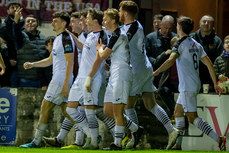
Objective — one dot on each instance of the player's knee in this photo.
(191, 119)
(108, 113)
(149, 105)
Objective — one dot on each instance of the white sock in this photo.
(93, 125)
(162, 117)
(80, 120)
(39, 133)
(206, 128)
(180, 124)
(119, 132)
(65, 128)
(109, 122)
(79, 137)
(130, 124)
(132, 114)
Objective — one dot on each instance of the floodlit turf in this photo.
(58, 150)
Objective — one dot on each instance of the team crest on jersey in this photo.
(68, 48)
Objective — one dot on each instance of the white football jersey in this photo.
(190, 53)
(138, 59)
(82, 37)
(89, 54)
(62, 44)
(120, 58)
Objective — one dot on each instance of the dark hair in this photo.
(186, 24)
(49, 39)
(158, 16)
(96, 14)
(63, 15)
(13, 2)
(76, 14)
(113, 14)
(84, 13)
(130, 6)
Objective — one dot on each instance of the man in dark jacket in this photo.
(7, 34)
(157, 44)
(211, 43)
(31, 46)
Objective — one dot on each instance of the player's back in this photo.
(190, 53)
(138, 59)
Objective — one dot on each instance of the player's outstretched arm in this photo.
(167, 64)
(2, 65)
(42, 63)
(100, 56)
(211, 70)
(78, 42)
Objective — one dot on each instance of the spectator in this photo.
(46, 73)
(10, 59)
(157, 21)
(2, 64)
(159, 41)
(62, 60)
(167, 85)
(221, 64)
(211, 43)
(157, 44)
(31, 46)
(5, 74)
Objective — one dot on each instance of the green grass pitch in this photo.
(58, 150)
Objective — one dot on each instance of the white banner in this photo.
(215, 110)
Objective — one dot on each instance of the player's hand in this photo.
(65, 91)
(13, 62)
(44, 88)
(167, 52)
(3, 69)
(28, 65)
(222, 77)
(87, 84)
(18, 14)
(99, 45)
(218, 89)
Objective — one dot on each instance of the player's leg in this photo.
(180, 125)
(46, 108)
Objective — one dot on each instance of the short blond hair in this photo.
(227, 37)
(113, 14)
